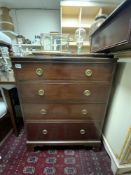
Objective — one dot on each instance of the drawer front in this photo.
(90, 71)
(64, 111)
(62, 131)
(40, 92)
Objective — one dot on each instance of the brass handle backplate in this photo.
(88, 72)
(84, 111)
(44, 131)
(87, 92)
(43, 111)
(82, 131)
(41, 92)
(39, 71)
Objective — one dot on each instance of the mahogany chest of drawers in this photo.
(64, 98)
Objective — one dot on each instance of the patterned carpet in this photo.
(17, 161)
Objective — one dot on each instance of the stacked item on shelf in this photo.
(6, 20)
(6, 72)
(5, 64)
(6, 23)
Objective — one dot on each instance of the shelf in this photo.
(28, 45)
(68, 25)
(86, 43)
(71, 31)
(75, 14)
(8, 58)
(6, 22)
(72, 8)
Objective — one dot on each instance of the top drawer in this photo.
(64, 71)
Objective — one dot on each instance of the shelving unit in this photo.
(76, 14)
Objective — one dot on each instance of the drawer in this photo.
(62, 131)
(64, 111)
(39, 92)
(77, 71)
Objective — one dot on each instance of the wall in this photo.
(31, 22)
(119, 118)
(118, 125)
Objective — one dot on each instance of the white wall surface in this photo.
(119, 116)
(31, 22)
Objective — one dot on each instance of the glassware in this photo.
(98, 22)
(55, 42)
(80, 35)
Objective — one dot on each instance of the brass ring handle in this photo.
(82, 131)
(88, 72)
(44, 131)
(87, 92)
(39, 72)
(41, 92)
(84, 111)
(43, 111)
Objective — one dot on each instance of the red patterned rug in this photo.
(16, 160)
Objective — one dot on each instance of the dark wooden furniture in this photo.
(5, 122)
(115, 33)
(5, 126)
(64, 98)
(15, 120)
